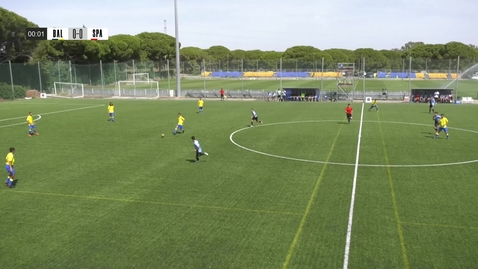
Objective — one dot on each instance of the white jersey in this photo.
(254, 114)
(197, 146)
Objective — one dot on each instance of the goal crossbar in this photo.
(146, 75)
(125, 88)
(68, 89)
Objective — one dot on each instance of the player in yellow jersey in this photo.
(111, 112)
(10, 161)
(374, 105)
(443, 126)
(201, 105)
(180, 124)
(31, 125)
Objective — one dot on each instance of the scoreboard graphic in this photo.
(79, 33)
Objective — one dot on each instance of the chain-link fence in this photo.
(135, 76)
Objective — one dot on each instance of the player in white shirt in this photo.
(254, 117)
(197, 148)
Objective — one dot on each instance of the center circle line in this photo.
(347, 164)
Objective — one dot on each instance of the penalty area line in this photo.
(352, 200)
(46, 113)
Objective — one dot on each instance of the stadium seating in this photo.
(437, 76)
(219, 74)
(292, 74)
(420, 75)
(206, 74)
(258, 74)
(454, 75)
(326, 74)
(381, 74)
(402, 75)
(235, 74)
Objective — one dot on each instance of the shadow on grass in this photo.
(342, 122)
(15, 182)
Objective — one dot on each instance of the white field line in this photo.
(30, 103)
(352, 200)
(47, 113)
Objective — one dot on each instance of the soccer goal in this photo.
(140, 77)
(72, 90)
(139, 88)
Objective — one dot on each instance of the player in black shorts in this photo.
(254, 117)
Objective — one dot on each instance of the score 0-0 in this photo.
(78, 33)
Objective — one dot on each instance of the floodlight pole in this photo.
(456, 80)
(178, 63)
(409, 74)
(363, 79)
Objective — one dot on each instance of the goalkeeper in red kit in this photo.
(348, 111)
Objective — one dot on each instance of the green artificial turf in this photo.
(97, 194)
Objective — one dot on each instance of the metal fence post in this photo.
(39, 76)
(11, 80)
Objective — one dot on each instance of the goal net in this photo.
(140, 77)
(72, 90)
(139, 88)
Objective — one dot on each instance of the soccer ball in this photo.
(162, 135)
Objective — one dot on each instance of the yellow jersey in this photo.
(30, 120)
(111, 109)
(374, 102)
(201, 103)
(180, 120)
(10, 159)
(443, 122)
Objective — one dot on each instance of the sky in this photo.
(269, 25)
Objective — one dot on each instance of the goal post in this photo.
(140, 77)
(138, 88)
(72, 90)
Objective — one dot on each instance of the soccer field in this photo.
(466, 88)
(97, 194)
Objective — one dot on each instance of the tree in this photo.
(219, 53)
(375, 60)
(13, 44)
(238, 54)
(410, 45)
(339, 56)
(395, 60)
(455, 49)
(157, 46)
(124, 48)
(307, 57)
(193, 54)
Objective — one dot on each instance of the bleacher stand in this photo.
(258, 74)
(326, 74)
(437, 76)
(292, 74)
